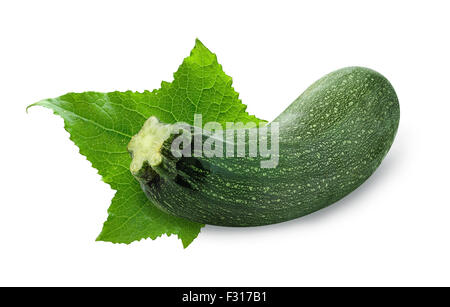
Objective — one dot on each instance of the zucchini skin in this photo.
(331, 139)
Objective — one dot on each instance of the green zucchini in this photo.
(331, 139)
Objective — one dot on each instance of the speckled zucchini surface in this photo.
(331, 139)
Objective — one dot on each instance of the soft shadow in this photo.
(389, 165)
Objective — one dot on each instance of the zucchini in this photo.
(331, 139)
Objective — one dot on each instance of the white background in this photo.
(394, 230)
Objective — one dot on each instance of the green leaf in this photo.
(102, 124)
